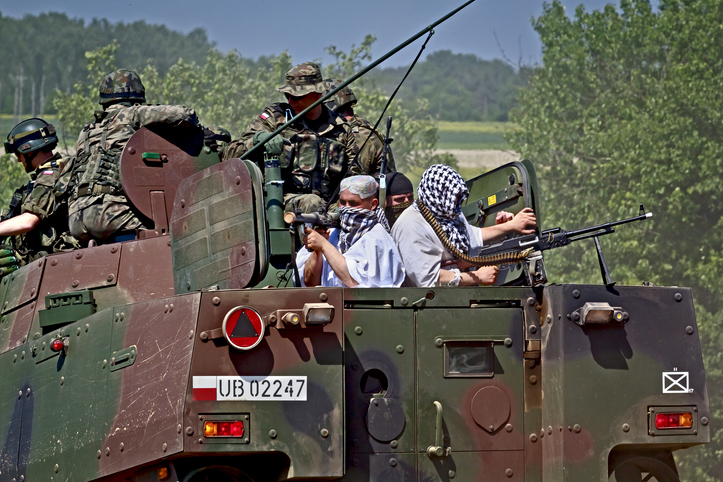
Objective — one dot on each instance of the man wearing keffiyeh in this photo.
(360, 252)
(427, 263)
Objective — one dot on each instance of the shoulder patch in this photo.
(265, 115)
(47, 172)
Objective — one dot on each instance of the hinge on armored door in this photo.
(123, 358)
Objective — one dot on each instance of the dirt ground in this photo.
(485, 158)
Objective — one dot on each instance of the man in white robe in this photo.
(360, 253)
(427, 263)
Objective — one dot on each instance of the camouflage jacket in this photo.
(43, 197)
(101, 142)
(369, 160)
(314, 161)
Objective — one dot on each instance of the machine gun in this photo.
(530, 247)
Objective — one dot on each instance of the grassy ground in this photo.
(474, 135)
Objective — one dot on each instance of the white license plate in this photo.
(251, 388)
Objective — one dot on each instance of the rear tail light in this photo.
(665, 421)
(224, 429)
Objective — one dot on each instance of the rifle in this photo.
(530, 247)
(383, 169)
(312, 221)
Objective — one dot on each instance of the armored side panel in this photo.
(604, 382)
(152, 166)
(510, 188)
(213, 232)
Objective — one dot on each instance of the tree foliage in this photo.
(459, 87)
(627, 108)
(414, 131)
(48, 53)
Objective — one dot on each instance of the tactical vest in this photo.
(316, 163)
(97, 170)
(48, 236)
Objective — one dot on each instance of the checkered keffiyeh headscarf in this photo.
(354, 222)
(443, 190)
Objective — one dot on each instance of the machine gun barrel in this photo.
(356, 76)
(605, 228)
(557, 237)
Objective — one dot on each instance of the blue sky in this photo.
(306, 28)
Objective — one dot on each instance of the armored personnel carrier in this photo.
(186, 354)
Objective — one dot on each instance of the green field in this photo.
(474, 135)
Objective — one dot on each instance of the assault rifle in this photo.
(531, 246)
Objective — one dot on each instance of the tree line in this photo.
(48, 56)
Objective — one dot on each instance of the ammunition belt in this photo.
(507, 257)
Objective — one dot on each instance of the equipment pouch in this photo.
(307, 151)
(334, 154)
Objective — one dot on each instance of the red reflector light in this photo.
(673, 420)
(224, 429)
(57, 344)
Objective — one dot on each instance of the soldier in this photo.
(99, 208)
(37, 222)
(426, 261)
(360, 252)
(369, 160)
(317, 149)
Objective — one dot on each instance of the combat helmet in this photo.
(122, 85)
(31, 135)
(342, 99)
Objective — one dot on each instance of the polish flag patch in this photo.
(264, 115)
(204, 388)
(47, 172)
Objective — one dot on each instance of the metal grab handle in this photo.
(437, 450)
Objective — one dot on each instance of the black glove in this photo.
(8, 261)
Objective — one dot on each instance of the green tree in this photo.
(626, 108)
(12, 176)
(76, 109)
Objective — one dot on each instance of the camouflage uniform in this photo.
(318, 153)
(369, 160)
(42, 196)
(99, 208)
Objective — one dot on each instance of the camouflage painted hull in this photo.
(524, 392)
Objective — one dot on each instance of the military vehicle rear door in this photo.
(511, 187)
(470, 386)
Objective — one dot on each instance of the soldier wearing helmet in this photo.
(99, 208)
(37, 222)
(369, 141)
(316, 151)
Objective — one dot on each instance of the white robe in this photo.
(373, 261)
(422, 252)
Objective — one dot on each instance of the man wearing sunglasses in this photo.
(316, 150)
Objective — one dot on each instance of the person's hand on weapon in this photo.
(8, 261)
(274, 146)
(316, 239)
(523, 222)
